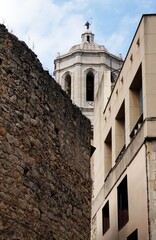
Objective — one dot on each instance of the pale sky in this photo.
(52, 26)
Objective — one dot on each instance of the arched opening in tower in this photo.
(68, 85)
(90, 87)
(88, 39)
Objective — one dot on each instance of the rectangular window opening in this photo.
(136, 102)
(120, 133)
(122, 193)
(105, 218)
(108, 153)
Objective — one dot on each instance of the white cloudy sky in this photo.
(52, 26)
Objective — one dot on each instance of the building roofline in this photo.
(90, 52)
(143, 16)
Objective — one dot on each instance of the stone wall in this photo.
(45, 180)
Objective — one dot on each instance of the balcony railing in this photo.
(137, 126)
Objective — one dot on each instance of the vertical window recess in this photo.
(136, 102)
(120, 132)
(90, 87)
(122, 192)
(105, 218)
(108, 153)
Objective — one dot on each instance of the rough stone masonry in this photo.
(45, 184)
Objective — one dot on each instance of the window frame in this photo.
(105, 218)
(122, 199)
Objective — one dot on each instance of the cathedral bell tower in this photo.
(81, 70)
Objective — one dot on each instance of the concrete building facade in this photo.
(124, 192)
(81, 70)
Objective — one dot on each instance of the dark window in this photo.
(68, 85)
(133, 235)
(88, 39)
(90, 87)
(122, 203)
(105, 218)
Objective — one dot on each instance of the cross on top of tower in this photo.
(87, 24)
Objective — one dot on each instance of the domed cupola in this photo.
(88, 44)
(87, 37)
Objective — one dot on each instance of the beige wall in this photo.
(122, 93)
(101, 98)
(139, 66)
(138, 216)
